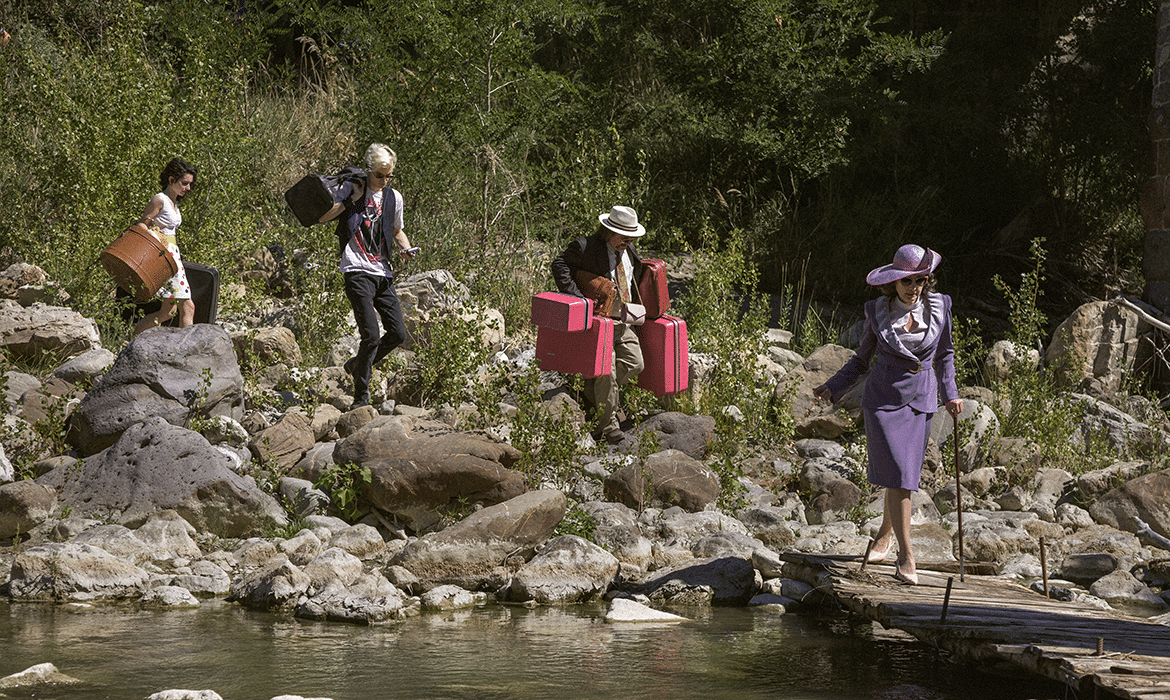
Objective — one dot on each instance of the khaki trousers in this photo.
(627, 364)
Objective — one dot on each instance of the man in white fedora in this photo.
(609, 254)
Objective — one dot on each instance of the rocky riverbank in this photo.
(183, 479)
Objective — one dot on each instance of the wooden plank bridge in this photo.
(993, 622)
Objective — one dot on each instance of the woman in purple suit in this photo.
(908, 352)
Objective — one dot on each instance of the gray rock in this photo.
(1143, 498)
(770, 525)
(809, 448)
(1122, 587)
(362, 541)
(276, 585)
(567, 569)
(33, 676)
(687, 529)
(726, 543)
(413, 477)
(1006, 355)
(24, 505)
(626, 610)
(315, 462)
(118, 541)
(7, 471)
(333, 564)
(177, 374)
(679, 431)
(168, 536)
(1084, 568)
(1092, 484)
(1101, 340)
(205, 580)
(280, 446)
(75, 572)
(722, 580)
(225, 430)
(302, 547)
(86, 366)
(816, 418)
(268, 346)
(1123, 434)
(179, 694)
(449, 597)
(369, 599)
(170, 597)
(470, 553)
(32, 332)
(977, 424)
(670, 478)
(997, 540)
(155, 466)
(301, 497)
(618, 533)
(16, 384)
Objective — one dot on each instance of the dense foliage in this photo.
(815, 135)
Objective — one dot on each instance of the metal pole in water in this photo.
(1044, 566)
(942, 620)
(959, 502)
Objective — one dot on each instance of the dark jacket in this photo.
(898, 377)
(590, 253)
(350, 220)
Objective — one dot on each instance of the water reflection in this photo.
(486, 653)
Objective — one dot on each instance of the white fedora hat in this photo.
(623, 220)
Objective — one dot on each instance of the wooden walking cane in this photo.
(959, 499)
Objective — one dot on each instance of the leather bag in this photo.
(601, 290)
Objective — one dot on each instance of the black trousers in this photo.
(373, 297)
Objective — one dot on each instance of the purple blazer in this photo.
(897, 376)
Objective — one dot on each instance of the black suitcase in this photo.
(313, 195)
(204, 281)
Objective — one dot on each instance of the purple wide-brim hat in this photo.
(910, 260)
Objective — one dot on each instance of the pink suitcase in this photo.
(588, 353)
(562, 312)
(652, 288)
(664, 351)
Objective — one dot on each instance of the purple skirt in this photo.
(896, 442)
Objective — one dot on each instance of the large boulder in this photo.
(31, 332)
(1145, 498)
(415, 474)
(1100, 341)
(727, 580)
(816, 418)
(76, 572)
(472, 553)
(977, 425)
(155, 466)
(568, 569)
(669, 478)
(177, 374)
(24, 505)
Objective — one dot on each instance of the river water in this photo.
(487, 653)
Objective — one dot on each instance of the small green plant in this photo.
(548, 440)
(448, 355)
(727, 319)
(576, 522)
(345, 484)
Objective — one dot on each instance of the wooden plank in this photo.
(990, 617)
